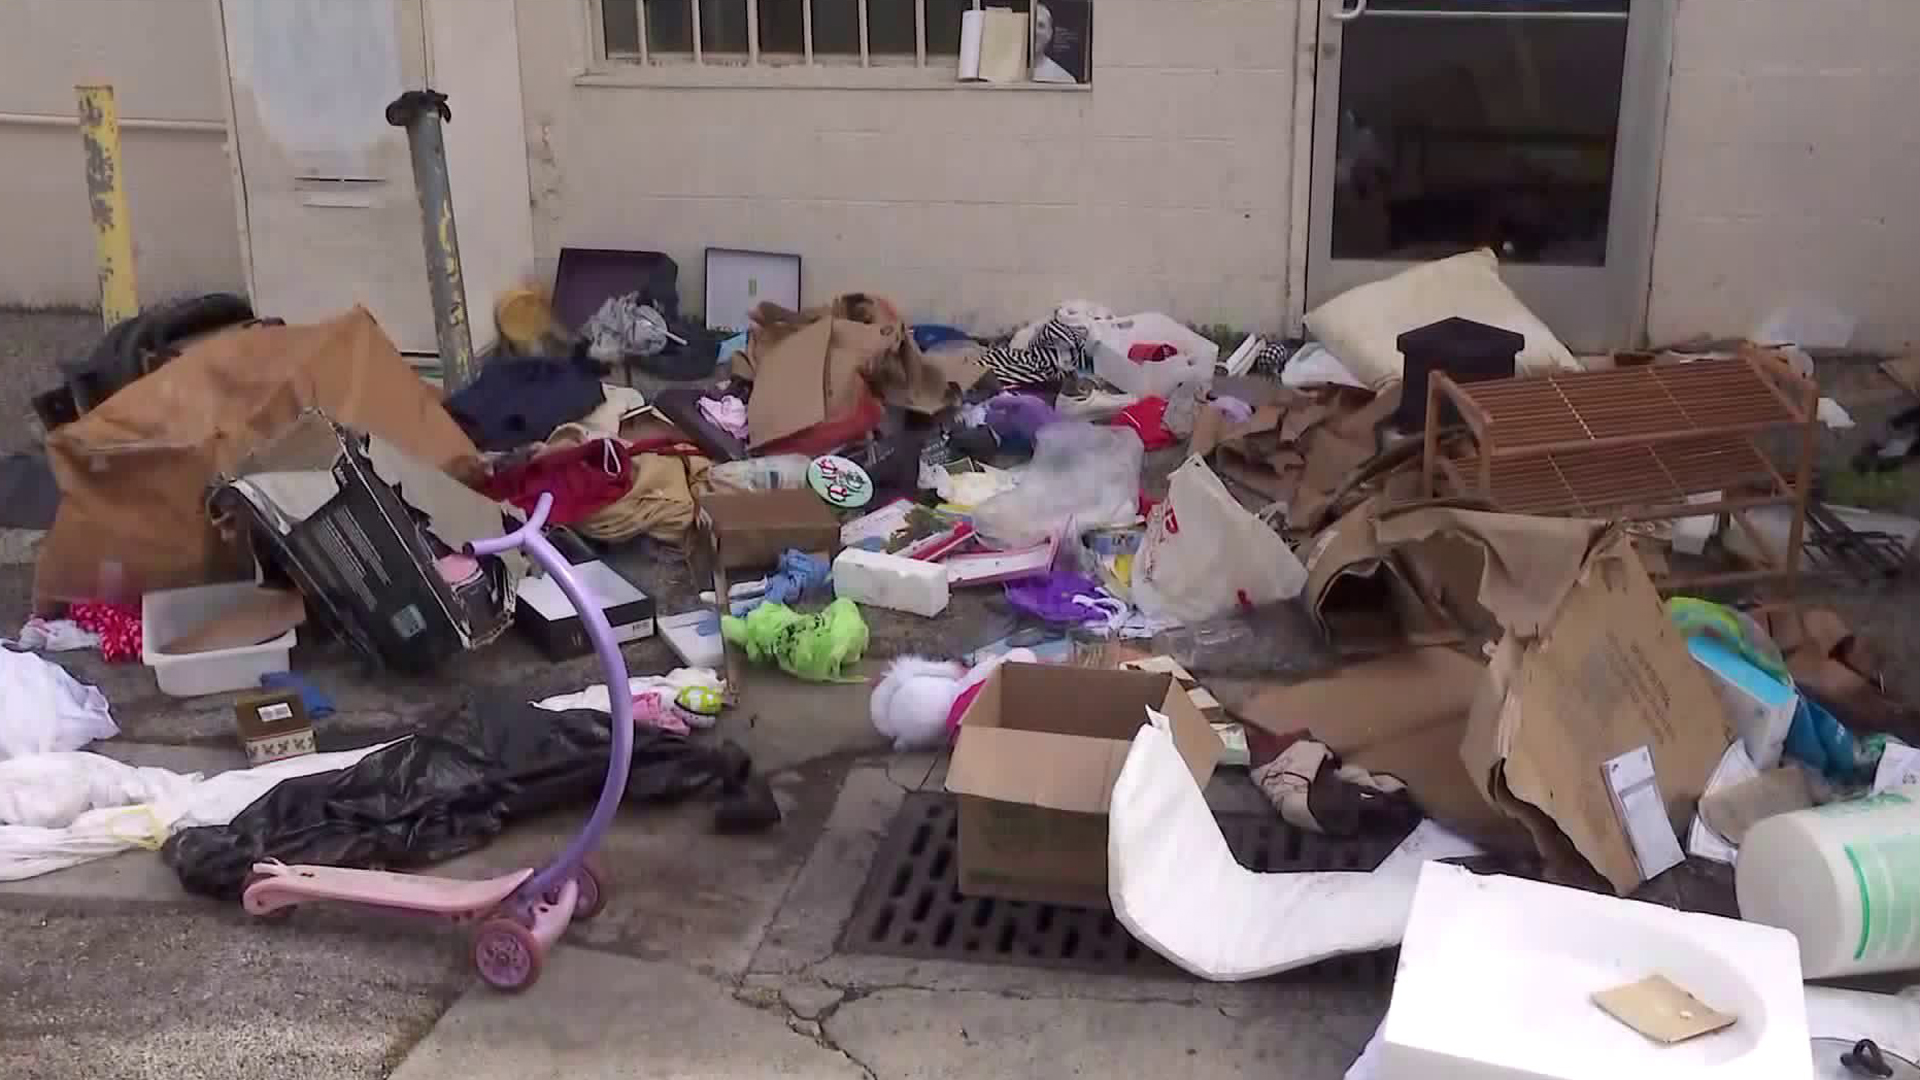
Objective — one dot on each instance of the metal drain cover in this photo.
(911, 905)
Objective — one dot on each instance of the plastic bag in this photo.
(776, 472)
(51, 790)
(1081, 475)
(43, 709)
(437, 795)
(1205, 556)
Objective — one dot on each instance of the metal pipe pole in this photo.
(421, 113)
(107, 204)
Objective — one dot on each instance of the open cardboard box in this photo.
(1038, 753)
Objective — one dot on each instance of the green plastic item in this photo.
(1734, 629)
(819, 647)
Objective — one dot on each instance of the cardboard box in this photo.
(1039, 750)
(328, 507)
(546, 615)
(273, 726)
(1590, 668)
(1364, 594)
(751, 529)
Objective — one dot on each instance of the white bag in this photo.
(44, 709)
(1204, 555)
(51, 790)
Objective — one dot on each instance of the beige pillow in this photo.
(1363, 325)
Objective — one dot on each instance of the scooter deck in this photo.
(283, 885)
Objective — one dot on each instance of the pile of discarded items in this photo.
(1428, 576)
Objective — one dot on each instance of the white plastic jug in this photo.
(1844, 879)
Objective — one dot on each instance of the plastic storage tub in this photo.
(166, 615)
(1110, 339)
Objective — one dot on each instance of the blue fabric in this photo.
(317, 704)
(1821, 742)
(797, 575)
(930, 335)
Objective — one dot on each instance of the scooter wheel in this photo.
(593, 896)
(279, 914)
(507, 955)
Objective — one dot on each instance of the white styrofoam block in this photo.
(1497, 977)
(890, 581)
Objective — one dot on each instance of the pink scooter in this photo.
(520, 914)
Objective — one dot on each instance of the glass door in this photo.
(1527, 126)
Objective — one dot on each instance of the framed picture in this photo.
(1063, 41)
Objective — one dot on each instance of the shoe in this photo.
(1086, 401)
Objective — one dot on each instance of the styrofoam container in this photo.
(1497, 977)
(166, 615)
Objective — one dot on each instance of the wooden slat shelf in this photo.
(1629, 443)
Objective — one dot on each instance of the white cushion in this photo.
(1362, 326)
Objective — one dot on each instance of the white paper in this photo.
(1315, 365)
(1736, 767)
(1178, 889)
(1643, 813)
(1834, 415)
(972, 24)
(1899, 766)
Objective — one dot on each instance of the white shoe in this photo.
(1093, 404)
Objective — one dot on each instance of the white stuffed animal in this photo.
(911, 703)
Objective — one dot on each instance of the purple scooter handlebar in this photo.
(529, 539)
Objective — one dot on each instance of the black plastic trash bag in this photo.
(448, 791)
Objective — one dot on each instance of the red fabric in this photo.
(1148, 417)
(583, 480)
(1148, 352)
(117, 624)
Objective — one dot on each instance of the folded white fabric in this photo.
(1177, 888)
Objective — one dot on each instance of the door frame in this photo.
(1621, 320)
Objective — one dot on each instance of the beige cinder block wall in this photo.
(1167, 186)
(1792, 167)
(162, 58)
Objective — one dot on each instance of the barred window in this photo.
(786, 31)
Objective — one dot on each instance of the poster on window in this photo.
(1063, 41)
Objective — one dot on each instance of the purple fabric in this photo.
(1018, 417)
(1050, 597)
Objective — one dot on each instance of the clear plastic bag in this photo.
(772, 473)
(1081, 475)
(1276, 640)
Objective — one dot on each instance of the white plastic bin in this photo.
(166, 615)
(1192, 362)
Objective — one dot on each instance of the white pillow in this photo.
(1362, 326)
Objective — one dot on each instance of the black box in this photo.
(545, 615)
(327, 505)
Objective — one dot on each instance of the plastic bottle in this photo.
(1843, 878)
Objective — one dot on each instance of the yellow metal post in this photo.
(107, 203)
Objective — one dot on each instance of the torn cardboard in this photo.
(1403, 715)
(134, 473)
(260, 616)
(829, 363)
(1039, 750)
(1590, 668)
(1361, 593)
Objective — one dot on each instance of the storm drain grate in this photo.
(911, 905)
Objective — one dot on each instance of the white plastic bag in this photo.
(51, 790)
(44, 709)
(1082, 475)
(1205, 556)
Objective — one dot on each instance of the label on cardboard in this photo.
(277, 711)
(1643, 814)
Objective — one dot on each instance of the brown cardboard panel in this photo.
(261, 616)
(1661, 1011)
(1609, 673)
(1404, 715)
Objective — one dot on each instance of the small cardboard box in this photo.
(273, 726)
(546, 615)
(751, 529)
(1039, 750)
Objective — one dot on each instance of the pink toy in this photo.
(521, 914)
